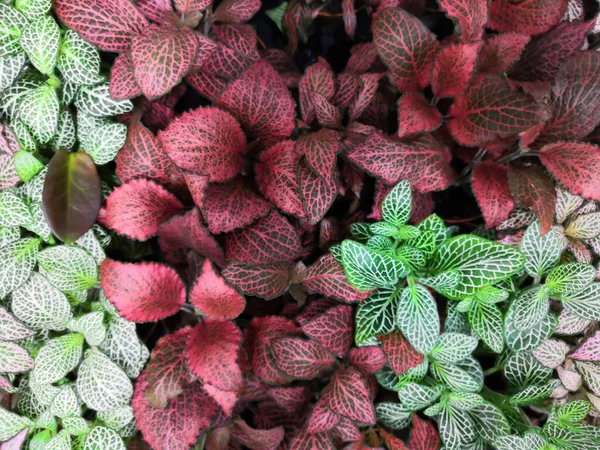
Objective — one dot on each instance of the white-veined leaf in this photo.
(566, 204)
(454, 347)
(9, 235)
(68, 267)
(464, 401)
(11, 329)
(33, 189)
(62, 441)
(530, 307)
(38, 224)
(412, 257)
(11, 28)
(66, 403)
(381, 243)
(591, 375)
(570, 324)
(585, 226)
(68, 92)
(14, 358)
(415, 396)
(96, 101)
(384, 229)
(573, 412)
(457, 429)
(522, 369)
(13, 96)
(117, 418)
(551, 353)
(10, 68)
(486, 321)
(11, 424)
(489, 421)
(79, 61)
(41, 41)
(26, 165)
(76, 426)
(456, 321)
(124, 348)
(417, 317)
(32, 9)
(393, 415)
(376, 315)
(18, 260)
(436, 225)
(57, 358)
(39, 110)
(65, 131)
(585, 303)
(26, 140)
(542, 252)
(102, 438)
(455, 377)
(13, 210)
(518, 443)
(46, 420)
(533, 394)
(570, 277)
(529, 339)
(442, 282)
(91, 326)
(103, 143)
(397, 205)
(90, 242)
(361, 230)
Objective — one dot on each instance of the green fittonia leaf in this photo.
(542, 251)
(486, 321)
(57, 358)
(489, 421)
(456, 427)
(11, 424)
(418, 318)
(453, 347)
(27, 165)
(13, 209)
(415, 396)
(91, 326)
(397, 205)
(570, 278)
(530, 307)
(393, 415)
(18, 260)
(39, 110)
(32, 9)
(585, 303)
(10, 68)
(41, 41)
(522, 370)
(79, 61)
(12, 24)
(531, 338)
(68, 268)
(103, 142)
(66, 403)
(376, 315)
(101, 438)
(96, 101)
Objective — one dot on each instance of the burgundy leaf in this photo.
(122, 79)
(326, 277)
(315, 308)
(261, 281)
(367, 360)
(500, 52)
(317, 194)
(534, 16)
(301, 359)
(346, 431)
(321, 418)
(424, 436)
(490, 186)
(256, 439)
(472, 16)
(347, 395)
(333, 329)
(236, 11)
(349, 14)
(362, 57)
(320, 151)
(400, 355)
(391, 441)
(416, 115)
(422, 206)
(239, 38)
(453, 69)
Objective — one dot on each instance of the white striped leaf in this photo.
(455, 377)
(453, 347)
(376, 315)
(96, 101)
(23, 135)
(522, 369)
(570, 278)
(418, 318)
(65, 132)
(13, 210)
(570, 324)
(530, 307)
(90, 242)
(79, 61)
(68, 267)
(442, 282)
(62, 441)
(415, 396)
(41, 41)
(9, 235)
(33, 189)
(393, 415)
(456, 427)
(10, 68)
(533, 394)
(383, 229)
(66, 403)
(39, 110)
(397, 205)
(542, 252)
(585, 303)
(486, 321)
(14, 358)
(591, 375)
(67, 94)
(437, 226)
(103, 143)
(124, 348)
(529, 339)
(117, 418)
(566, 204)
(38, 224)
(489, 421)
(91, 326)
(12, 23)
(101, 438)
(585, 226)
(464, 401)
(76, 426)
(18, 260)
(57, 358)
(381, 243)
(11, 424)
(33, 8)
(551, 353)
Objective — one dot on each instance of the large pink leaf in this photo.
(589, 350)
(137, 208)
(453, 69)
(109, 24)
(301, 359)
(416, 115)
(196, 184)
(320, 151)
(257, 439)
(261, 281)
(159, 11)
(490, 186)
(367, 360)
(472, 16)
(142, 292)
(406, 47)
(400, 354)
(206, 141)
(227, 400)
(239, 38)
(347, 395)
(122, 79)
(236, 11)
(333, 329)
(527, 16)
(500, 52)
(317, 193)
(326, 277)
(208, 86)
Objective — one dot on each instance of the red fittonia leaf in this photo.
(269, 240)
(347, 395)
(406, 47)
(142, 156)
(261, 281)
(166, 372)
(425, 161)
(256, 439)
(262, 103)
(206, 141)
(212, 354)
(532, 16)
(532, 188)
(137, 208)
(142, 292)
(108, 24)
(416, 115)
(391, 441)
(225, 63)
(214, 298)
(315, 308)
(333, 329)
(236, 11)
(320, 151)
(316, 87)
(367, 360)
(422, 206)
(424, 436)
(362, 58)
(346, 88)
(346, 431)
(589, 350)
(576, 165)
(197, 186)
(489, 110)
(225, 399)
(303, 440)
(321, 418)
(159, 11)
(326, 277)
(292, 399)
(367, 89)
(401, 356)
(208, 86)
(500, 52)
(349, 14)
(317, 194)
(239, 38)
(122, 78)
(191, 6)
(301, 359)
(232, 205)
(490, 186)
(453, 69)
(177, 426)
(472, 16)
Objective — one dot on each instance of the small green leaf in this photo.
(415, 396)
(491, 295)
(585, 303)
(530, 307)
(361, 230)
(103, 143)
(57, 358)
(418, 318)
(533, 394)
(573, 412)
(443, 282)
(39, 110)
(542, 252)
(380, 243)
(584, 226)
(383, 229)
(522, 370)
(531, 338)
(10, 68)
(570, 278)
(456, 427)
(490, 422)
(27, 165)
(455, 377)
(91, 325)
(79, 61)
(76, 426)
(96, 101)
(425, 242)
(13, 23)
(41, 40)
(68, 268)
(393, 415)
(397, 205)
(435, 225)
(486, 321)
(277, 14)
(464, 401)
(26, 140)
(18, 260)
(62, 441)
(412, 257)
(376, 315)
(32, 9)
(454, 347)
(11, 424)
(102, 438)
(13, 210)
(65, 132)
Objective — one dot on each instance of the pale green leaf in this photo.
(90, 242)
(455, 377)
(68, 267)
(28, 404)
(10, 68)
(397, 205)
(530, 307)
(39, 440)
(67, 94)
(11, 424)
(41, 41)
(12, 23)
(585, 226)
(102, 438)
(13, 210)
(27, 165)
(569, 439)
(11, 329)
(574, 411)
(18, 260)
(542, 252)
(46, 420)
(454, 347)
(529, 339)
(62, 441)
(522, 370)
(585, 303)
(425, 242)
(383, 229)
(489, 421)
(96, 101)
(486, 321)
(408, 232)
(442, 282)
(519, 443)
(434, 410)
(464, 400)
(533, 394)
(38, 224)
(91, 325)
(456, 428)
(14, 358)
(12, 97)
(415, 396)
(39, 110)
(437, 226)
(417, 317)
(79, 61)
(381, 243)
(569, 278)
(33, 189)
(551, 353)
(117, 418)
(412, 257)
(66, 403)
(104, 142)
(44, 394)
(393, 415)
(57, 358)
(26, 140)
(9, 235)
(276, 15)
(124, 348)
(65, 131)
(376, 315)
(76, 426)
(413, 375)
(33, 8)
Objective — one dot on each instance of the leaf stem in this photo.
(492, 370)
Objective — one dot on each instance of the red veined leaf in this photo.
(346, 431)
(213, 297)
(422, 206)
(142, 292)
(346, 85)
(534, 16)
(500, 52)
(589, 350)
(191, 6)
(391, 441)
(122, 79)
(321, 418)
(400, 355)
(406, 47)
(333, 329)
(574, 99)
(236, 11)
(108, 24)
(159, 11)
(232, 205)
(292, 399)
(576, 165)
(256, 439)
(381, 192)
(453, 69)
(526, 138)
(269, 240)
(260, 281)
(239, 38)
(177, 426)
(532, 188)
(303, 440)
(208, 86)
(424, 436)
(329, 232)
(142, 156)
(327, 114)
(362, 57)
(320, 151)
(472, 16)
(206, 141)
(347, 395)
(423, 161)
(326, 277)
(212, 354)
(225, 63)
(317, 194)
(262, 103)
(318, 78)
(157, 115)
(166, 373)
(368, 85)
(138, 208)
(580, 252)
(225, 399)
(315, 308)
(349, 15)
(489, 109)
(416, 115)
(71, 196)
(301, 359)
(490, 186)
(197, 186)
(367, 360)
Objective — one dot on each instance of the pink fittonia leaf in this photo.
(367, 360)
(137, 208)
(362, 58)
(544, 55)
(327, 114)
(532, 16)
(292, 399)
(490, 186)
(142, 156)
(196, 184)
(401, 356)
(589, 350)
(166, 372)
(269, 240)
(262, 103)
(500, 52)
(349, 14)
(206, 141)
(208, 86)
(347, 395)
(425, 161)
(320, 151)
(301, 359)
(472, 16)
(576, 165)
(416, 115)
(317, 193)
(318, 78)
(346, 88)
(236, 11)
(122, 78)
(346, 431)
(532, 188)
(256, 439)
(191, 6)
(261, 281)
(142, 292)
(489, 109)
(315, 308)
(159, 11)
(424, 436)
(225, 63)
(225, 399)
(326, 277)
(453, 69)
(108, 24)
(304, 440)
(321, 418)
(333, 329)
(406, 47)
(239, 38)
(214, 298)
(391, 441)
(177, 426)
(367, 90)
(212, 354)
